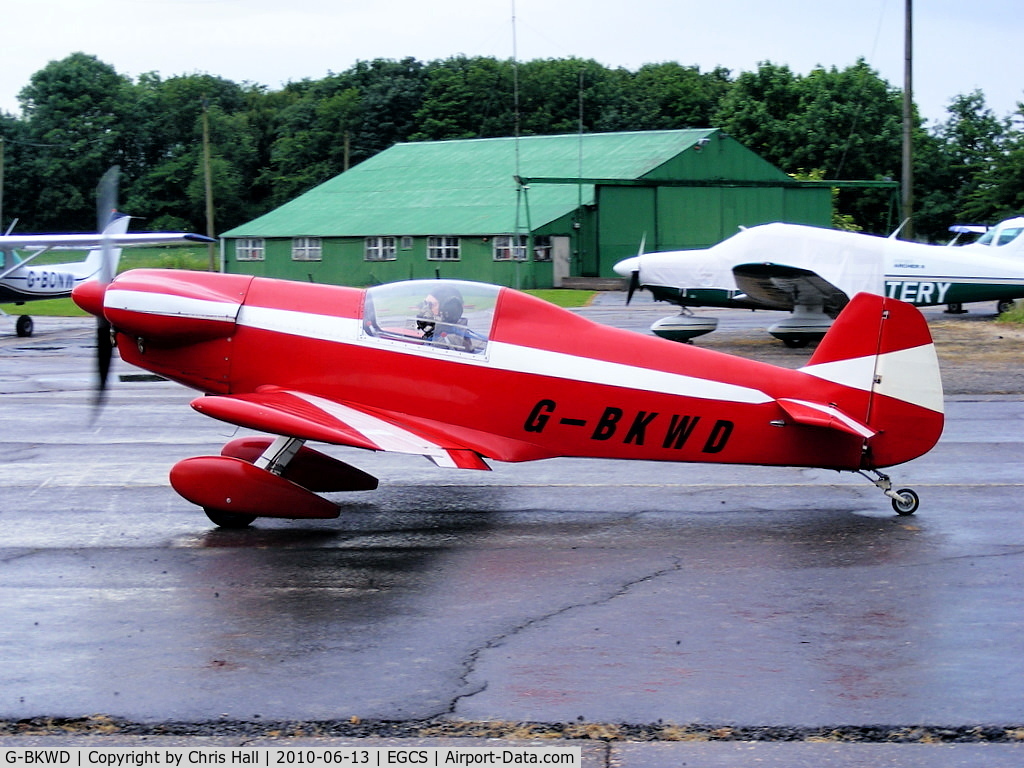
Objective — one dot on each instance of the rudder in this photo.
(883, 349)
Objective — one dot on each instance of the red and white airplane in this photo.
(463, 373)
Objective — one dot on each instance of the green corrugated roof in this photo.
(467, 187)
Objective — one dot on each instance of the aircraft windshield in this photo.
(445, 314)
(1001, 235)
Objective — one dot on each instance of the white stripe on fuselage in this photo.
(148, 303)
(510, 357)
(856, 373)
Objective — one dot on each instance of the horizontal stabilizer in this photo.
(827, 416)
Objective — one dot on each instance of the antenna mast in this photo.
(908, 111)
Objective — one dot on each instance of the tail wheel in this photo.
(233, 520)
(23, 326)
(907, 503)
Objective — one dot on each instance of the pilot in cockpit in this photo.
(440, 319)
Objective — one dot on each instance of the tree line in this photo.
(79, 116)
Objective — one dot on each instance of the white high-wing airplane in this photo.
(21, 280)
(813, 272)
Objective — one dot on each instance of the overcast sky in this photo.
(958, 46)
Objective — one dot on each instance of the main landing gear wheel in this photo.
(232, 520)
(23, 326)
(907, 503)
(796, 342)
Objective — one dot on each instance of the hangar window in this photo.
(307, 249)
(380, 249)
(443, 248)
(250, 249)
(510, 247)
(542, 248)
(450, 315)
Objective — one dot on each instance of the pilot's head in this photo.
(444, 303)
(451, 309)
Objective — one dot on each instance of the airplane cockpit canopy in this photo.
(1003, 233)
(454, 315)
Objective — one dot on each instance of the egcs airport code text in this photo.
(283, 757)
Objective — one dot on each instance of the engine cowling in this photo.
(170, 308)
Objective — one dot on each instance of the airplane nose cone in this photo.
(89, 296)
(627, 267)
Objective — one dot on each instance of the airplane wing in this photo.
(77, 242)
(309, 417)
(778, 286)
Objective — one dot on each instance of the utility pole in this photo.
(908, 113)
(209, 184)
(1, 183)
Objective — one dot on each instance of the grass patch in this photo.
(1014, 317)
(564, 297)
(47, 308)
(164, 258)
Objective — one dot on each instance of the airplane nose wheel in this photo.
(905, 501)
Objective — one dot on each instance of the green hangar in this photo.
(527, 212)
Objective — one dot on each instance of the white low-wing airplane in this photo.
(813, 272)
(22, 280)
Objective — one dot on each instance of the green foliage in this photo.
(847, 123)
(266, 147)
(76, 112)
(958, 165)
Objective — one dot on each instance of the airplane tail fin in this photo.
(880, 352)
(118, 225)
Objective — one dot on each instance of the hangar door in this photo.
(626, 216)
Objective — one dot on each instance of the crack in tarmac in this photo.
(471, 663)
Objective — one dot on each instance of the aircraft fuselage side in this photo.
(917, 273)
(548, 383)
(32, 283)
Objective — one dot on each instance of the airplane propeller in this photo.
(634, 283)
(106, 209)
(634, 277)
